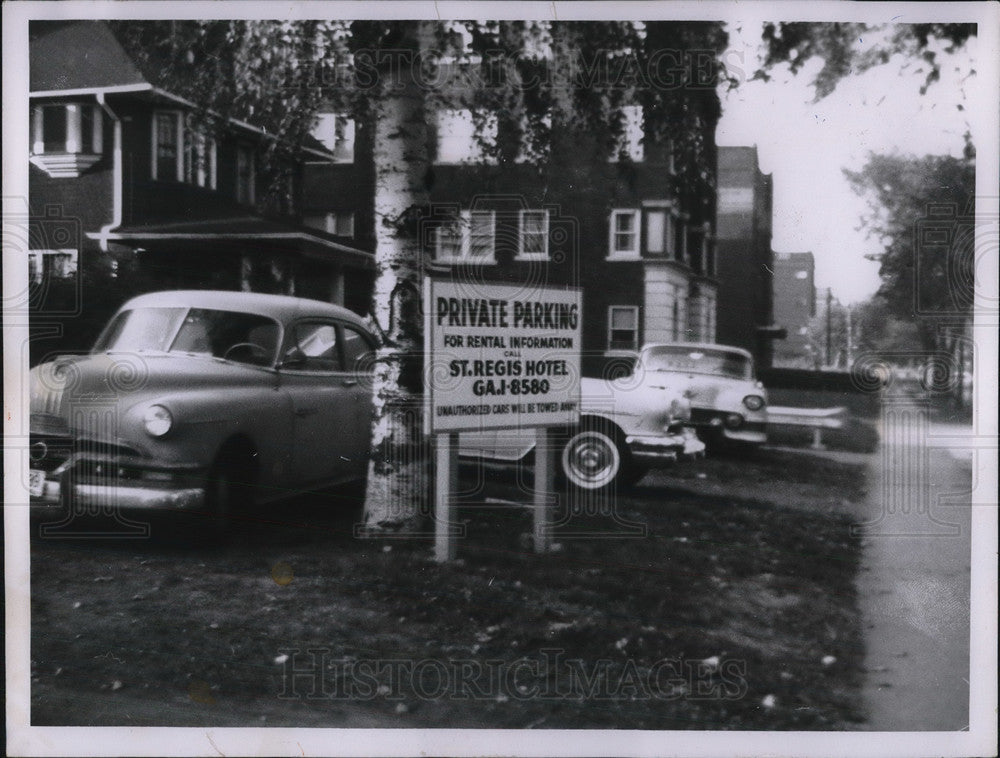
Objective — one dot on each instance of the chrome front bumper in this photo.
(712, 423)
(149, 487)
(665, 449)
(97, 497)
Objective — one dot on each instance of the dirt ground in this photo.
(718, 595)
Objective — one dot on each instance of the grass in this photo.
(735, 609)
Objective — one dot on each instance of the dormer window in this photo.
(66, 138)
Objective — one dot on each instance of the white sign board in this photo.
(500, 356)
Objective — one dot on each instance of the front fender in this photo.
(205, 419)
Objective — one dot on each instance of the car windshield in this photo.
(234, 336)
(698, 361)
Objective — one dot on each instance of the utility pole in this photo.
(850, 341)
(829, 327)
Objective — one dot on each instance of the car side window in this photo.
(358, 350)
(317, 344)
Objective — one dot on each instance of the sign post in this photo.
(545, 470)
(445, 483)
(499, 356)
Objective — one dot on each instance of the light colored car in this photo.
(198, 400)
(626, 428)
(727, 401)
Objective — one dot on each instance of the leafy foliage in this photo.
(920, 212)
(842, 48)
(534, 87)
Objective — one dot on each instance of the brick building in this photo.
(630, 229)
(794, 307)
(743, 251)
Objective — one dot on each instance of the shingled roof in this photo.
(72, 55)
(67, 56)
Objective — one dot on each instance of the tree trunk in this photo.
(396, 496)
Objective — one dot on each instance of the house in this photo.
(628, 229)
(744, 255)
(794, 308)
(126, 182)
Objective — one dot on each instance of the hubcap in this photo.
(591, 460)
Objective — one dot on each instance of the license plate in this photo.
(36, 483)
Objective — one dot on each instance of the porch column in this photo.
(37, 130)
(74, 128)
(97, 137)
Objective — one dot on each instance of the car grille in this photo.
(48, 452)
(704, 415)
(94, 459)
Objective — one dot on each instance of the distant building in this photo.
(794, 307)
(744, 260)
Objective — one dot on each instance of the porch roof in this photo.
(245, 229)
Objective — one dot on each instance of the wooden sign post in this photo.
(545, 470)
(445, 484)
(498, 356)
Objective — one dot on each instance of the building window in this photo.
(533, 239)
(623, 327)
(168, 146)
(199, 159)
(678, 311)
(51, 264)
(467, 238)
(182, 152)
(340, 223)
(661, 233)
(336, 132)
(457, 137)
(624, 231)
(246, 173)
(682, 242)
(66, 139)
(707, 250)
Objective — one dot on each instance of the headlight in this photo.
(157, 420)
(753, 402)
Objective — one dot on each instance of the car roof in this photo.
(282, 307)
(700, 346)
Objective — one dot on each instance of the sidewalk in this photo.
(914, 585)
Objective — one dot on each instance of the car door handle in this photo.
(303, 412)
(349, 382)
